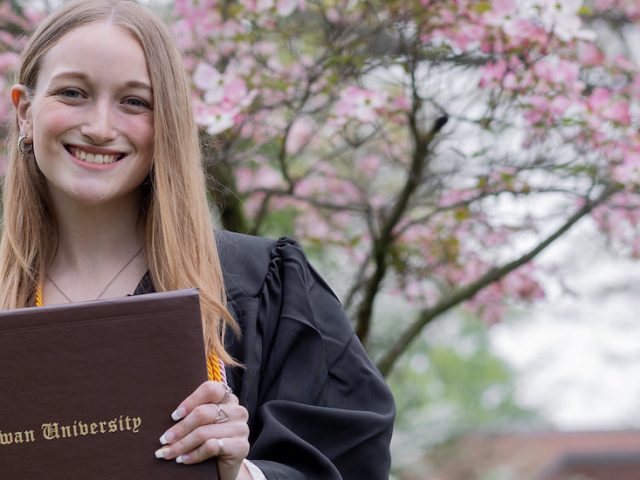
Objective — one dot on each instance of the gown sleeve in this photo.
(318, 408)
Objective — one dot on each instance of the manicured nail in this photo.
(182, 458)
(162, 452)
(178, 413)
(167, 437)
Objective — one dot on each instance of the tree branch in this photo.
(467, 292)
(381, 244)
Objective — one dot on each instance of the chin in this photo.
(94, 197)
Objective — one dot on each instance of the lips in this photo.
(95, 157)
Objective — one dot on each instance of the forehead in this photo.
(99, 51)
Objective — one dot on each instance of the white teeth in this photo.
(91, 157)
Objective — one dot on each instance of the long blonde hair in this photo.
(179, 239)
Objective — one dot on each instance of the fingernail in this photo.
(178, 413)
(167, 437)
(182, 458)
(162, 452)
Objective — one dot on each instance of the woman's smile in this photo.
(96, 156)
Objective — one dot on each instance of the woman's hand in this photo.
(211, 423)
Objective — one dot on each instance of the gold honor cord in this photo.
(215, 368)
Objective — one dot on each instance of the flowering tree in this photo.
(440, 146)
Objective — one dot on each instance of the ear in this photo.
(22, 105)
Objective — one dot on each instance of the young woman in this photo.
(105, 197)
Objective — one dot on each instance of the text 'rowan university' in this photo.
(57, 431)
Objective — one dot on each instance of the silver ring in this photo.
(227, 393)
(220, 447)
(222, 415)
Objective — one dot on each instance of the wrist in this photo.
(251, 471)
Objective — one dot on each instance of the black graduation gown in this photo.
(318, 408)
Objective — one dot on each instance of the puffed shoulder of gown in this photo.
(318, 407)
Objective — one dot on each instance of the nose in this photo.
(98, 126)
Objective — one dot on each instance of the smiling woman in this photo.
(105, 196)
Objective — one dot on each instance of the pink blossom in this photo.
(267, 177)
(235, 90)
(563, 19)
(369, 165)
(265, 48)
(229, 91)
(558, 71)
(589, 54)
(8, 61)
(210, 80)
(401, 102)
(300, 133)
(523, 285)
(312, 226)
(249, 5)
(468, 35)
(628, 171)
(524, 30)
(207, 24)
(538, 107)
(183, 34)
(614, 110)
(244, 178)
(360, 104)
(333, 15)
(230, 29)
(454, 196)
(493, 73)
(599, 98)
(215, 119)
(624, 63)
(6, 37)
(618, 111)
(263, 5)
(560, 104)
(502, 12)
(287, 7)
(510, 81)
(5, 104)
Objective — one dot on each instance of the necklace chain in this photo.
(108, 284)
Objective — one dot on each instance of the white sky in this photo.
(578, 355)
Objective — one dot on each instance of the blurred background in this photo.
(465, 174)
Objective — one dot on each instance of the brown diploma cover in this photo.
(87, 389)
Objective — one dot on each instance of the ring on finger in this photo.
(227, 393)
(220, 447)
(222, 415)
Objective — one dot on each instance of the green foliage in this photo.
(448, 383)
(461, 371)
(281, 222)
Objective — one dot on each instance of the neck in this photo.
(94, 243)
(89, 240)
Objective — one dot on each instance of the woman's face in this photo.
(91, 116)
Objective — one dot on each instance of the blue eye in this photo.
(70, 93)
(136, 102)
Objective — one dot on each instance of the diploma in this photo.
(88, 388)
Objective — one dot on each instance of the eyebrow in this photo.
(84, 77)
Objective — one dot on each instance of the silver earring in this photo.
(25, 149)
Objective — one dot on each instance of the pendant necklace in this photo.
(106, 287)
